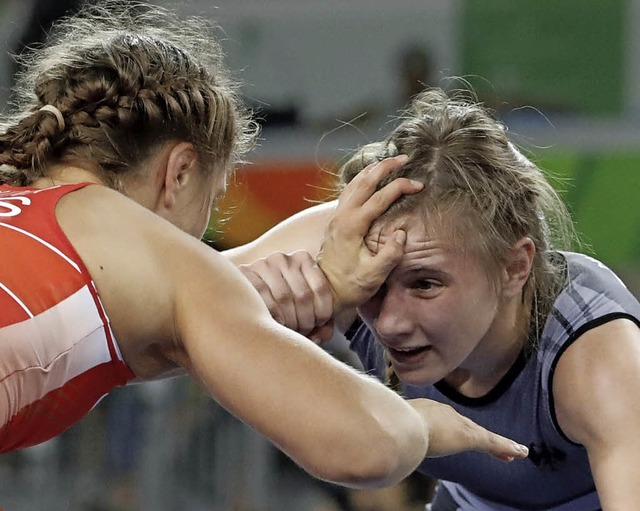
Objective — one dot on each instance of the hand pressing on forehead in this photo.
(354, 271)
(306, 295)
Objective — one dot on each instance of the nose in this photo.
(392, 314)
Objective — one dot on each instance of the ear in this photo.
(518, 267)
(181, 163)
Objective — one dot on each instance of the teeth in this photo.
(408, 349)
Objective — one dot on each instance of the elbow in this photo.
(365, 464)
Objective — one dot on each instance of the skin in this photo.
(609, 383)
(463, 323)
(177, 306)
(439, 315)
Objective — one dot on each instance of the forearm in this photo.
(302, 231)
(338, 425)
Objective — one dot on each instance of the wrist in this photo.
(333, 280)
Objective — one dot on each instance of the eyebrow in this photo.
(435, 266)
(412, 272)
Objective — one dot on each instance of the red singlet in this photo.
(58, 356)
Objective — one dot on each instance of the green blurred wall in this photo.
(564, 55)
(602, 191)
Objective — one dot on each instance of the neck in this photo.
(496, 352)
(60, 174)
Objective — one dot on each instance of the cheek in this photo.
(455, 320)
(473, 317)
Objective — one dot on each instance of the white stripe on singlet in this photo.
(43, 242)
(16, 299)
(41, 354)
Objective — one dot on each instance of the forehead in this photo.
(431, 240)
(419, 228)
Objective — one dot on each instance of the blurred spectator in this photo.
(415, 71)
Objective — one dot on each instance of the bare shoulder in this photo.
(599, 371)
(128, 251)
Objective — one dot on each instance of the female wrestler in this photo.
(126, 128)
(484, 311)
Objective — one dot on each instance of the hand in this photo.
(354, 272)
(451, 433)
(295, 291)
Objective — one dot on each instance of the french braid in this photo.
(124, 79)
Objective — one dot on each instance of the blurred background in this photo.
(324, 78)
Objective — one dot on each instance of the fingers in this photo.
(264, 291)
(451, 433)
(365, 183)
(363, 188)
(309, 291)
(381, 200)
(294, 289)
(320, 290)
(482, 440)
(322, 334)
(360, 204)
(389, 255)
(498, 446)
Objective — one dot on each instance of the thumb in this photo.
(391, 252)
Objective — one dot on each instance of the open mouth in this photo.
(407, 354)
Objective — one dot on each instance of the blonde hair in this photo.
(478, 183)
(125, 77)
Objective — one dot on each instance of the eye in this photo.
(426, 285)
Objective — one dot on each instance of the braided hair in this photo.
(125, 78)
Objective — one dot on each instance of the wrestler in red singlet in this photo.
(59, 355)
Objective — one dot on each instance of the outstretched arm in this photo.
(175, 303)
(339, 425)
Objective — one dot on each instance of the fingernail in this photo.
(418, 184)
(521, 448)
(402, 158)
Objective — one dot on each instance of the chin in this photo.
(417, 376)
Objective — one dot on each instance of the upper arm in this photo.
(172, 301)
(302, 231)
(229, 336)
(274, 379)
(596, 388)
